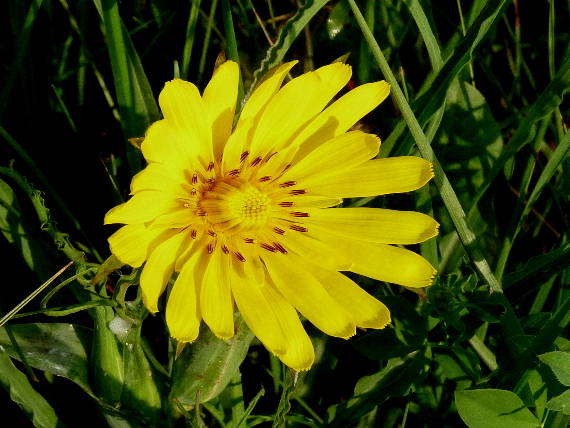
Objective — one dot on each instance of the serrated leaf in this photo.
(493, 408)
(206, 366)
(57, 348)
(559, 363)
(560, 403)
(286, 37)
(24, 395)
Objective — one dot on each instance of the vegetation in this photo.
(477, 88)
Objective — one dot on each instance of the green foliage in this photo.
(477, 87)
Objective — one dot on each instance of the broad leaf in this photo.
(493, 408)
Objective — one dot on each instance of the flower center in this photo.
(236, 206)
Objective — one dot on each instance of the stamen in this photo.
(288, 184)
(211, 247)
(267, 247)
(212, 233)
(285, 204)
(243, 156)
(194, 178)
(256, 161)
(201, 213)
(193, 192)
(249, 240)
(211, 166)
(193, 233)
(280, 247)
(297, 192)
(279, 230)
(265, 178)
(225, 249)
(299, 214)
(298, 228)
(234, 172)
(268, 158)
(239, 256)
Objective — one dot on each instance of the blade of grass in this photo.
(206, 43)
(189, 40)
(434, 89)
(28, 299)
(231, 42)
(442, 182)
(21, 49)
(137, 105)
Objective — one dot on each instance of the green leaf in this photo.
(559, 363)
(57, 348)
(106, 359)
(560, 403)
(140, 390)
(395, 380)
(24, 395)
(493, 408)
(205, 367)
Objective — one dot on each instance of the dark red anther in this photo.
(298, 228)
(297, 192)
(267, 247)
(288, 184)
(280, 247)
(279, 230)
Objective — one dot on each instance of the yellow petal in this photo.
(182, 310)
(373, 224)
(159, 177)
(130, 243)
(167, 145)
(376, 177)
(179, 218)
(384, 262)
(257, 312)
(305, 245)
(158, 269)
(341, 115)
(295, 104)
(220, 99)
(142, 207)
(293, 279)
(184, 110)
(310, 201)
(215, 295)
(235, 146)
(266, 89)
(338, 154)
(365, 310)
(299, 353)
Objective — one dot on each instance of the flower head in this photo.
(246, 214)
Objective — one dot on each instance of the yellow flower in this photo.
(244, 214)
